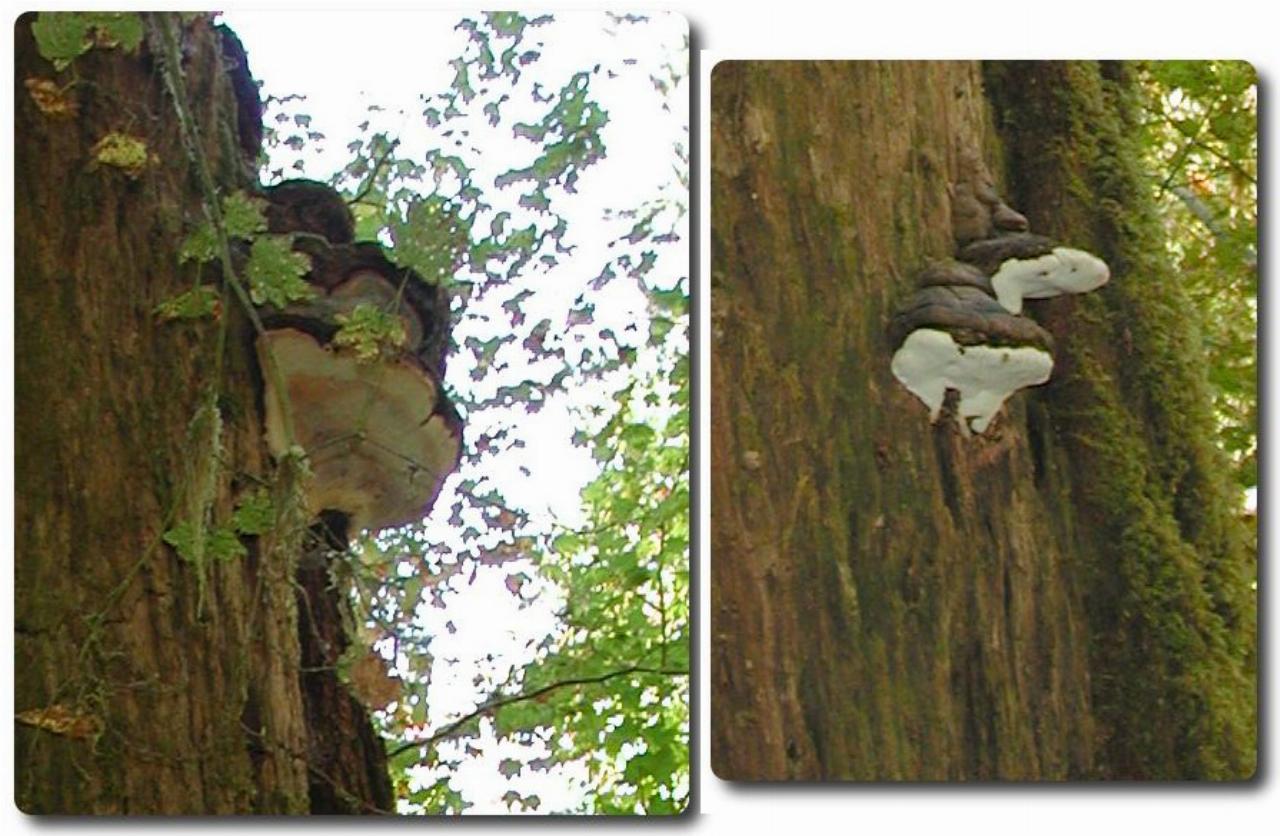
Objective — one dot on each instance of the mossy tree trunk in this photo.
(1064, 597)
(137, 692)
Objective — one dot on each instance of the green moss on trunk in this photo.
(1172, 612)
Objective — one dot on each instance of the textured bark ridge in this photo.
(891, 600)
(132, 698)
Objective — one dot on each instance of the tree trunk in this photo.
(1065, 596)
(143, 687)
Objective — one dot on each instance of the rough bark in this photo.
(891, 600)
(347, 758)
(188, 702)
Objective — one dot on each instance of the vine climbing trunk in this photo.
(145, 683)
(899, 600)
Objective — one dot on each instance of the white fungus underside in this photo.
(377, 452)
(1062, 271)
(930, 362)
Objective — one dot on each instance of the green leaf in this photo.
(255, 514)
(200, 246)
(431, 239)
(242, 215)
(567, 543)
(122, 29)
(220, 543)
(62, 37)
(275, 272)
(224, 544)
(638, 435)
(182, 538)
(370, 332)
(197, 303)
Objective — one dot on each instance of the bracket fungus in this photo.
(380, 447)
(977, 212)
(962, 331)
(382, 436)
(1025, 266)
(960, 338)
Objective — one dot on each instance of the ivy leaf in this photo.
(220, 543)
(275, 272)
(112, 29)
(182, 538)
(200, 246)
(61, 37)
(224, 544)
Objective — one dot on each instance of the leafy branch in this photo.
(490, 707)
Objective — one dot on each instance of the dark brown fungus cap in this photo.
(952, 273)
(309, 206)
(971, 316)
(977, 212)
(989, 254)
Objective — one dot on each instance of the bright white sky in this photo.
(344, 62)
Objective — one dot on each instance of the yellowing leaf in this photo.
(59, 719)
(53, 100)
(127, 153)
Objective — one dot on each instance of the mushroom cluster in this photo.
(962, 330)
(381, 436)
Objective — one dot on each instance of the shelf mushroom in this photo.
(962, 330)
(977, 211)
(380, 433)
(380, 445)
(959, 338)
(1026, 266)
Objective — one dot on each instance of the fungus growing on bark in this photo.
(380, 435)
(379, 443)
(960, 338)
(961, 331)
(1031, 267)
(952, 273)
(977, 211)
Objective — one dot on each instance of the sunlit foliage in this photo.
(1201, 134)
